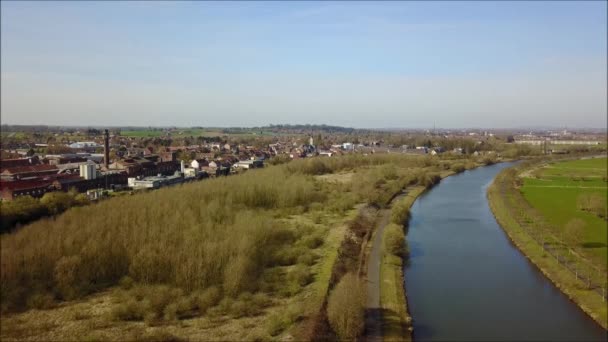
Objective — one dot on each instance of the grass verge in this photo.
(396, 321)
(589, 301)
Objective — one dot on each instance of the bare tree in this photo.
(574, 232)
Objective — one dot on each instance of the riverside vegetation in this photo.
(247, 257)
(395, 317)
(25, 209)
(555, 212)
(396, 321)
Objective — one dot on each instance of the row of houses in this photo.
(35, 176)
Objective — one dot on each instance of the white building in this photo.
(84, 144)
(198, 163)
(249, 164)
(154, 182)
(95, 194)
(558, 142)
(190, 172)
(347, 146)
(88, 171)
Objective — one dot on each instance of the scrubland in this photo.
(249, 257)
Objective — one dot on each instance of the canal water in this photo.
(466, 281)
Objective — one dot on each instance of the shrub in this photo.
(458, 167)
(41, 301)
(317, 217)
(184, 307)
(80, 315)
(343, 204)
(131, 310)
(315, 166)
(394, 239)
(94, 336)
(346, 307)
(429, 179)
(272, 279)
(241, 308)
(257, 335)
(159, 297)
(126, 283)
(593, 203)
(489, 160)
(400, 212)
(313, 242)
(574, 231)
(68, 276)
(208, 298)
(308, 259)
(159, 336)
(150, 265)
(288, 289)
(287, 256)
(300, 275)
(222, 308)
(261, 300)
(239, 275)
(275, 324)
(22, 209)
(57, 201)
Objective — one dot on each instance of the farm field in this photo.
(556, 190)
(195, 132)
(142, 133)
(16, 135)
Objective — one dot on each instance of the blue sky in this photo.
(359, 64)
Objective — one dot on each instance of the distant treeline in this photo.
(308, 127)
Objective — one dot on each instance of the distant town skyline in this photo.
(352, 64)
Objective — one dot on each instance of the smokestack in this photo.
(106, 150)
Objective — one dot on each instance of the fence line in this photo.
(592, 277)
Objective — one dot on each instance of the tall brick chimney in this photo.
(106, 149)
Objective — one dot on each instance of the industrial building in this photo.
(88, 171)
(250, 164)
(154, 182)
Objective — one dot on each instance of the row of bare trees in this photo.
(565, 246)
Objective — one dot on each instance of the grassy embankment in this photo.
(547, 216)
(231, 258)
(395, 317)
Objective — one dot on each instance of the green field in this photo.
(142, 133)
(194, 132)
(15, 135)
(555, 190)
(525, 228)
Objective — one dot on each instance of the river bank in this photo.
(570, 284)
(466, 281)
(396, 319)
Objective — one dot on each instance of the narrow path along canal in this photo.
(466, 281)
